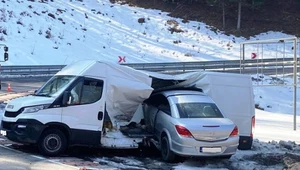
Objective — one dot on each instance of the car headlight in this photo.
(35, 108)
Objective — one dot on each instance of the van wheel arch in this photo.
(62, 127)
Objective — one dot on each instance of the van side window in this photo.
(91, 91)
(76, 93)
(86, 91)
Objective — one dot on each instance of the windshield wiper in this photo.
(44, 95)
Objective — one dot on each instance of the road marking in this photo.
(10, 149)
(53, 161)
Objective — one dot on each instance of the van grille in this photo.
(13, 114)
(7, 125)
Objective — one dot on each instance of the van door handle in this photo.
(100, 115)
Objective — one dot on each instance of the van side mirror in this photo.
(66, 98)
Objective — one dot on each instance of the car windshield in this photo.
(55, 86)
(198, 110)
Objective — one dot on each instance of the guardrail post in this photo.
(295, 83)
(242, 59)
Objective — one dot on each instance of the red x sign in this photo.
(122, 59)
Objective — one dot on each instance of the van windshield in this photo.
(55, 86)
(198, 110)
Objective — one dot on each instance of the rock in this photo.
(291, 161)
(286, 145)
(141, 20)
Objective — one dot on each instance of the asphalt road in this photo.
(23, 84)
(11, 159)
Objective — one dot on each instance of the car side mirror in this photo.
(66, 98)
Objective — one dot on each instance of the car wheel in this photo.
(52, 142)
(166, 153)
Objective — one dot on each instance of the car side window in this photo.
(161, 102)
(86, 91)
(165, 108)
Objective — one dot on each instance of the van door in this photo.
(84, 112)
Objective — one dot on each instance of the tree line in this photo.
(254, 4)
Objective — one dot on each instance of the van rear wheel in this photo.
(52, 142)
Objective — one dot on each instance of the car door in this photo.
(162, 119)
(84, 112)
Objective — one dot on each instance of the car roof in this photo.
(168, 93)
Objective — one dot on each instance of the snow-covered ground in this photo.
(276, 122)
(62, 31)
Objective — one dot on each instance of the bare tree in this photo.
(239, 15)
(224, 19)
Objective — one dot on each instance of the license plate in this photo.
(210, 149)
(2, 132)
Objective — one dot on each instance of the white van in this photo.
(110, 96)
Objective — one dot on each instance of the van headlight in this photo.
(33, 109)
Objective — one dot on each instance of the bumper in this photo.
(23, 131)
(206, 149)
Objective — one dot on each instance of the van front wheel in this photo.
(52, 142)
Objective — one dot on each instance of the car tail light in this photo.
(183, 131)
(235, 131)
(252, 126)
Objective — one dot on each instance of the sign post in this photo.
(5, 52)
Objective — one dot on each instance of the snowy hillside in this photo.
(62, 31)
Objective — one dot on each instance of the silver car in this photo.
(188, 123)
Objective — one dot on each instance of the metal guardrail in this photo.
(235, 66)
(223, 65)
(30, 69)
